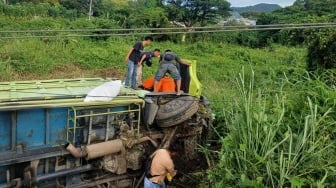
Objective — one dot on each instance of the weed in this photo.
(265, 146)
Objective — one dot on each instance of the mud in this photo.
(189, 173)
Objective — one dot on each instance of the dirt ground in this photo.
(189, 173)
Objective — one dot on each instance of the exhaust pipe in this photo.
(104, 148)
(96, 150)
(78, 153)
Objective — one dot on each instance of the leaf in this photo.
(242, 147)
(297, 182)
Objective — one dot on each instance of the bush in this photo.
(322, 52)
(267, 143)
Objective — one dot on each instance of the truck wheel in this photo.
(176, 111)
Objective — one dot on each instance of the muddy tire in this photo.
(176, 111)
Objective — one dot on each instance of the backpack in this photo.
(168, 57)
(148, 62)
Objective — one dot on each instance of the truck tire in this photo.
(176, 111)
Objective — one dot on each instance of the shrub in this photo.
(267, 144)
(322, 52)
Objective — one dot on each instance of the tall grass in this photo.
(263, 147)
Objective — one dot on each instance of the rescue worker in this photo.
(161, 166)
(168, 63)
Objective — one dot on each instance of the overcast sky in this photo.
(243, 3)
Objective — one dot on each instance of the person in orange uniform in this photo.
(166, 84)
(162, 164)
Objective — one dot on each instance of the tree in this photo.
(135, 13)
(322, 52)
(52, 2)
(147, 13)
(302, 11)
(82, 6)
(192, 12)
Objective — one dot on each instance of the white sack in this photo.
(104, 92)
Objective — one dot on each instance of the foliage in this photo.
(253, 15)
(197, 11)
(53, 2)
(149, 14)
(118, 10)
(262, 7)
(127, 14)
(158, 14)
(267, 143)
(83, 6)
(322, 52)
(32, 11)
(302, 11)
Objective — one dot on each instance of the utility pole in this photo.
(90, 10)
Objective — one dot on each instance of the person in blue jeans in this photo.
(161, 164)
(133, 58)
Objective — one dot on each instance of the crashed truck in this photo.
(66, 133)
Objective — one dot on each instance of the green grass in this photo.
(268, 142)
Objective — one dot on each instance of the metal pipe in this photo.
(13, 129)
(65, 172)
(90, 127)
(96, 150)
(13, 183)
(107, 125)
(65, 103)
(6, 185)
(76, 152)
(107, 113)
(104, 148)
(33, 172)
(98, 182)
(146, 138)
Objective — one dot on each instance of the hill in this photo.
(262, 7)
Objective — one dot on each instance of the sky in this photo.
(244, 3)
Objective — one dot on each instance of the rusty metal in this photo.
(76, 152)
(190, 144)
(61, 173)
(104, 148)
(101, 181)
(115, 163)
